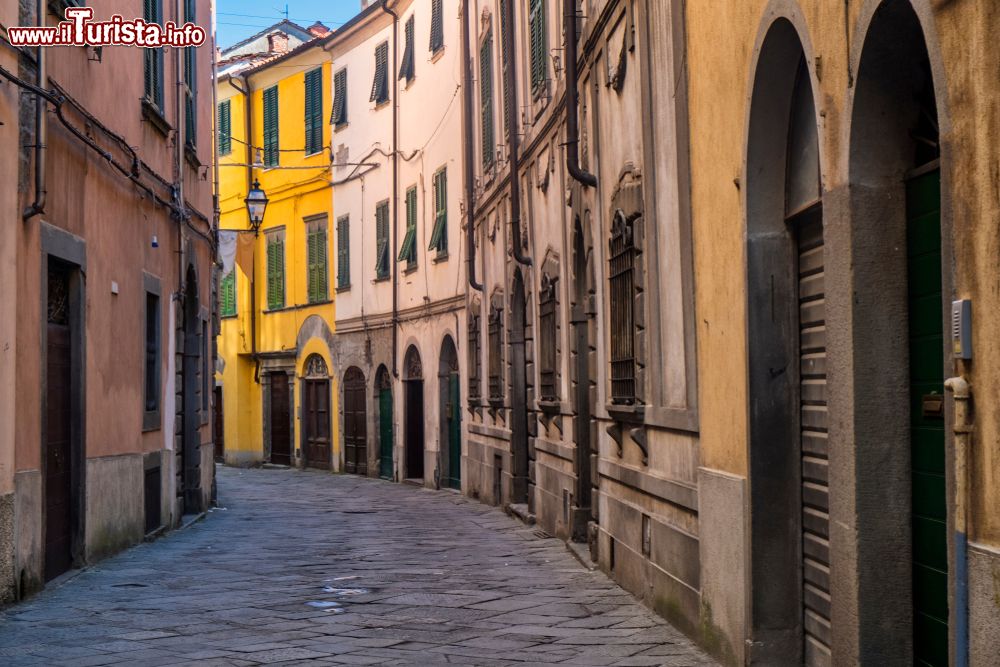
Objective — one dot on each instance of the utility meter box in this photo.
(961, 329)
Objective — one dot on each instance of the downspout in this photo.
(470, 188)
(513, 139)
(179, 140)
(583, 177)
(248, 149)
(395, 185)
(41, 127)
(963, 436)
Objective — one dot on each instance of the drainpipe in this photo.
(513, 139)
(583, 177)
(395, 185)
(248, 150)
(470, 192)
(963, 443)
(41, 127)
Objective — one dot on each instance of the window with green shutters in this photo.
(504, 64)
(439, 237)
(382, 240)
(437, 26)
(224, 128)
(338, 116)
(190, 87)
(343, 252)
(275, 269)
(539, 45)
(314, 110)
(408, 249)
(227, 294)
(271, 126)
(152, 12)
(380, 85)
(318, 277)
(406, 68)
(486, 99)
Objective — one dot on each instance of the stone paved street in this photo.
(309, 568)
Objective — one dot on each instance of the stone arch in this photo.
(898, 199)
(780, 236)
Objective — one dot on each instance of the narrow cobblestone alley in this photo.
(306, 568)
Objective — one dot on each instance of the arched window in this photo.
(622, 297)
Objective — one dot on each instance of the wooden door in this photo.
(453, 417)
(414, 429)
(385, 434)
(281, 437)
(58, 429)
(317, 423)
(927, 434)
(220, 426)
(355, 423)
(813, 438)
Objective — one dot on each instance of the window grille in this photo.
(475, 360)
(622, 297)
(547, 327)
(496, 354)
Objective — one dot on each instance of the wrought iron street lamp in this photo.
(256, 202)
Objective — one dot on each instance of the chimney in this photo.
(277, 42)
(317, 29)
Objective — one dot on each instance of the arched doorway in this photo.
(316, 414)
(383, 403)
(900, 307)
(451, 415)
(189, 456)
(580, 320)
(789, 460)
(355, 423)
(519, 392)
(413, 423)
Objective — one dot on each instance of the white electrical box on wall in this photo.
(961, 329)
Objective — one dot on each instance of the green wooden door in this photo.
(930, 539)
(454, 433)
(385, 433)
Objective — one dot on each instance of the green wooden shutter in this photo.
(271, 126)
(486, 99)
(382, 240)
(439, 237)
(437, 26)
(343, 252)
(227, 294)
(338, 116)
(505, 63)
(538, 44)
(314, 110)
(322, 275)
(312, 281)
(380, 85)
(406, 68)
(224, 128)
(408, 248)
(275, 272)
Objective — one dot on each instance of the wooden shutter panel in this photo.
(314, 110)
(486, 98)
(322, 275)
(339, 114)
(224, 128)
(406, 69)
(271, 126)
(437, 26)
(380, 86)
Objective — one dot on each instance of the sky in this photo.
(238, 19)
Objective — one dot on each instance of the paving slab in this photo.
(309, 568)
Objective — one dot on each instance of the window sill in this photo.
(410, 268)
(310, 304)
(343, 288)
(383, 103)
(441, 257)
(191, 156)
(381, 279)
(151, 421)
(629, 414)
(152, 113)
(409, 82)
(550, 406)
(314, 153)
(229, 317)
(341, 126)
(437, 54)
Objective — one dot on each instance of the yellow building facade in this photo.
(277, 308)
